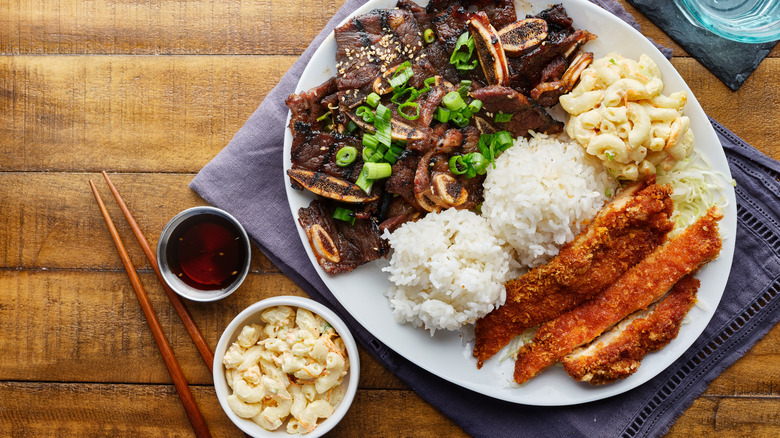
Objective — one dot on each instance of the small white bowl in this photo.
(252, 315)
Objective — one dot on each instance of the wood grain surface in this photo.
(150, 91)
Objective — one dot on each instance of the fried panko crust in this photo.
(605, 361)
(640, 286)
(623, 233)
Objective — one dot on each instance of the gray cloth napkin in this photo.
(247, 180)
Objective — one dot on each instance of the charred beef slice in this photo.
(316, 151)
(372, 43)
(526, 114)
(337, 245)
(308, 106)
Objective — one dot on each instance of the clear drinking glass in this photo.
(747, 21)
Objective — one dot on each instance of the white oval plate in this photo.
(446, 354)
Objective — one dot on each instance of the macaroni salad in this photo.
(619, 115)
(289, 369)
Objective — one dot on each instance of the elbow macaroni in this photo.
(617, 113)
(288, 370)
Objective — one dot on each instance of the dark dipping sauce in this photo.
(206, 252)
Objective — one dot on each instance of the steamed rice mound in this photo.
(447, 270)
(540, 195)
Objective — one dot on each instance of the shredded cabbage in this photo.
(515, 344)
(696, 188)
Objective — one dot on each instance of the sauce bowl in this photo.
(203, 254)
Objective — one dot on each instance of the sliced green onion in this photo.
(469, 165)
(459, 120)
(464, 87)
(363, 182)
(376, 157)
(323, 117)
(504, 140)
(453, 101)
(475, 106)
(464, 49)
(442, 115)
(365, 113)
(501, 117)
(401, 74)
(461, 58)
(346, 156)
(367, 153)
(390, 157)
(414, 105)
(370, 141)
(376, 171)
(397, 150)
(610, 155)
(491, 145)
(399, 93)
(457, 165)
(351, 127)
(484, 146)
(381, 148)
(382, 124)
(429, 36)
(477, 161)
(373, 99)
(344, 214)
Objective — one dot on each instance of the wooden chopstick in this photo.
(192, 329)
(196, 419)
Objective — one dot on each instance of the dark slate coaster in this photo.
(729, 61)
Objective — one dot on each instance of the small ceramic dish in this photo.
(252, 315)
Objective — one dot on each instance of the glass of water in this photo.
(747, 21)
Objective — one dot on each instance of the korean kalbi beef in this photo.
(492, 58)
(399, 212)
(428, 103)
(451, 16)
(337, 245)
(548, 92)
(435, 59)
(526, 114)
(316, 151)
(308, 106)
(549, 60)
(435, 187)
(372, 43)
(500, 12)
(370, 49)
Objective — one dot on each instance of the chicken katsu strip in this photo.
(643, 284)
(617, 353)
(622, 233)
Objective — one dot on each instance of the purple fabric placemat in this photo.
(247, 180)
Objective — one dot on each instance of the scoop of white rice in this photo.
(541, 193)
(447, 270)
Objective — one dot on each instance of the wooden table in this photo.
(150, 91)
